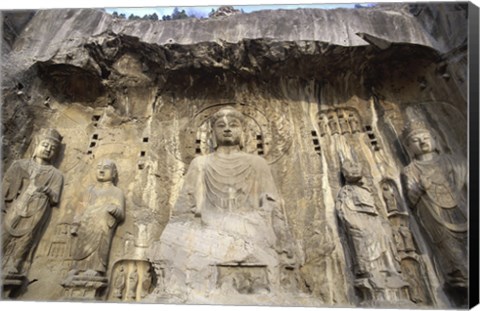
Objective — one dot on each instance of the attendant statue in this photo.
(94, 227)
(354, 122)
(376, 266)
(30, 188)
(133, 283)
(389, 197)
(343, 122)
(229, 211)
(332, 123)
(435, 185)
(119, 283)
(146, 282)
(322, 125)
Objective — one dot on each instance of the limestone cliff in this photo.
(141, 92)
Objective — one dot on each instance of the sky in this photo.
(202, 11)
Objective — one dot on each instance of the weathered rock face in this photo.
(316, 88)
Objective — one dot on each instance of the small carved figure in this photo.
(94, 228)
(376, 266)
(332, 123)
(119, 283)
(407, 238)
(354, 122)
(435, 185)
(30, 188)
(389, 197)
(342, 122)
(146, 282)
(322, 125)
(133, 283)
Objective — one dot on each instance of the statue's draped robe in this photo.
(27, 210)
(440, 206)
(371, 239)
(97, 227)
(226, 213)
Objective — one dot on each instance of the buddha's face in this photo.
(228, 130)
(105, 171)
(352, 171)
(421, 143)
(46, 149)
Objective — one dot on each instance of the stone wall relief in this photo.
(376, 267)
(31, 188)
(435, 185)
(131, 280)
(102, 209)
(412, 264)
(267, 137)
(345, 120)
(244, 279)
(228, 215)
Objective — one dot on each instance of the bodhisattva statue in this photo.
(435, 186)
(376, 265)
(94, 228)
(229, 211)
(30, 188)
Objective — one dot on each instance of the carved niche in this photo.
(345, 120)
(228, 226)
(412, 264)
(132, 280)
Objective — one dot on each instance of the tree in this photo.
(115, 14)
(177, 14)
(133, 17)
(154, 17)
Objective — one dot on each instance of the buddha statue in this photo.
(229, 215)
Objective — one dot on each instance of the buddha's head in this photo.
(227, 125)
(49, 141)
(106, 171)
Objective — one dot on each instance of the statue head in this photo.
(352, 171)
(48, 143)
(418, 139)
(106, 171)
(227, 125)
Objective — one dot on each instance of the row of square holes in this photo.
(368, 129)
(92, 144)
(372, 137)
(143, 153)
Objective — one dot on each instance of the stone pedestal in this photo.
(381, 289)
(80, 287)
(12, 283)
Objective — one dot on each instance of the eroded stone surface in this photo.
(314, 88)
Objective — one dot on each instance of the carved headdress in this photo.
(50, 134)
(414, 127)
